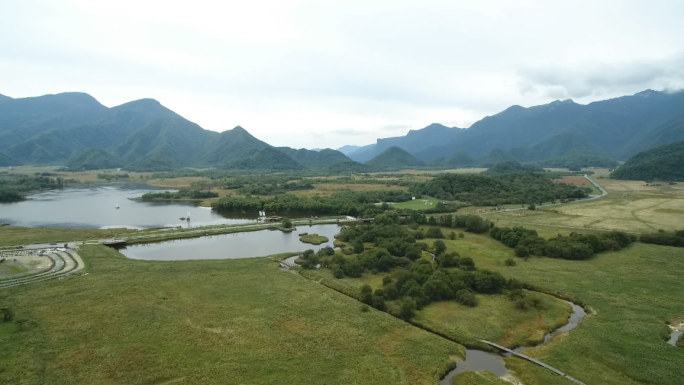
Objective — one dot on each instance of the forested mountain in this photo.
(315, 159)
(561, 132)
(664, 163)
(394, 158)
(76, 130)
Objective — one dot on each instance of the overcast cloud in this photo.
(330, 73)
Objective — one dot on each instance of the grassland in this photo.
(417, 204)
(631, 294)
(496, 319)
(630, 206)
(232, 321)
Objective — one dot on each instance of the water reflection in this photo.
(108, 207)
(231, 246)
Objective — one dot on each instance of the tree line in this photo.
(15, 187)
(492, 190)
(575, 246)
(341, 203)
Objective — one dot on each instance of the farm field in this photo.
(232, 321)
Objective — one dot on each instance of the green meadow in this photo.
(225, 321)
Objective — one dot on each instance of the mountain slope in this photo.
(660, 163)
(615, 128)
(315, 159)
(414, 142)
(394, 158)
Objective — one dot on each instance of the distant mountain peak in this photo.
(647, 93)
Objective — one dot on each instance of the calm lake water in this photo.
(232, 246)
(96, 208)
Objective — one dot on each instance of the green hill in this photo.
(664, 163)
(93, 159)
(511, 167)
(315, 159)
(267, 159)
(394, 158)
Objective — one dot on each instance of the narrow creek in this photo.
(478, 360)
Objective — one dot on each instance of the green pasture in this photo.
(220, 321)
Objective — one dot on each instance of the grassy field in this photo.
(631, 294)
(230, 321)
(630, 206)
(418, 204)
(11, 236)
(495, 319)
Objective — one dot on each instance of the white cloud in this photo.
(310, 73)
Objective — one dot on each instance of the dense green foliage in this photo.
(578, 159)
(664, 163)
(13, 187)
(667, 238)
(414, 281)
(573, 246)
(182, 194)
(342, 203)
(471, 223)
(511, 167)
(394, 158)
(93, 159)
(493, 190)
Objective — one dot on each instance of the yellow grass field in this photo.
(632, 206)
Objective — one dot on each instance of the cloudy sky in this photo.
(327, 73)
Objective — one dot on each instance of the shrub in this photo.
(510, 262)
(407, 308)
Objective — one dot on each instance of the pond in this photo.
(101, 207)
(231, 246)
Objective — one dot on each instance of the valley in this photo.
(309, 325)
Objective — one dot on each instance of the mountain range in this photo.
(552, 134)
(75, 130)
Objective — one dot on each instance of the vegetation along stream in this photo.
(478, 360)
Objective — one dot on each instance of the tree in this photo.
(434, 232)
(466, 263)
(366, 294)
(522, 251)
(407, 308)
(287, 223)
(440, 247)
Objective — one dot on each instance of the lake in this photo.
(232, 246)
(96, 208)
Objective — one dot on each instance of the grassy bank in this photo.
(631, 293)
(225, 321)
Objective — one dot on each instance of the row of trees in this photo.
(342, 203)
(576, 246)
(179, 195)
(491, 190)
(14, 187)
(471, 223)
(667, 238)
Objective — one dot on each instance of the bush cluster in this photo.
(574, 246)
(672, 238)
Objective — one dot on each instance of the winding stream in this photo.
(478, 360)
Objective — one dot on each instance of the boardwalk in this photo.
(535, 361)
